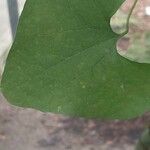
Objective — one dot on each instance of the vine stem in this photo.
(144, 141)
(128, 18)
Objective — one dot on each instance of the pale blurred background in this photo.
(136, 44)
(10, 11)
(28, 129)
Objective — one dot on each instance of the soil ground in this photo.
(28, 129)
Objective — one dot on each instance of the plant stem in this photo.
(144, 141)
(128, 18)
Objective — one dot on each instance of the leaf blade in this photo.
(66, 62)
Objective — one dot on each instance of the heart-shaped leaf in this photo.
(64, 60)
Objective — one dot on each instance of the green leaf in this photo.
(64, 60)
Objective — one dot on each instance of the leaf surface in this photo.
(64, 60)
